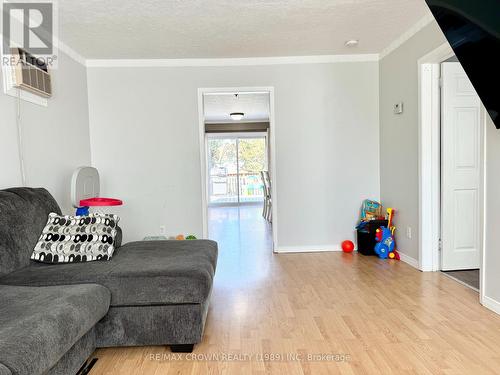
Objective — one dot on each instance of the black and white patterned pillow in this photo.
(70, 239)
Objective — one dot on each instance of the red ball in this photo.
(347, 246)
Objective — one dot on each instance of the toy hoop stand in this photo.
(85, 188)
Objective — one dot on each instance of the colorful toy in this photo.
(347, 246)
(386, 243)
(370, 210)
(390, 214)
(85, 188)
(394, 255)
(181, 237)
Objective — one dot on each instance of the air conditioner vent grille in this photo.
(33, 78)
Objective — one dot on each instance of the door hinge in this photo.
(440, 245)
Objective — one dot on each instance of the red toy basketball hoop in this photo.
(85, 189)
(100, 202)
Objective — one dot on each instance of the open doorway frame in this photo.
(271, 144)
(430, 163)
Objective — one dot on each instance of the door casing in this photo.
(271, 147)
(429, 163)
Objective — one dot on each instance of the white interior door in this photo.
(461, 143)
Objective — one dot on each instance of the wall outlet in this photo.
(163, 230)
(408, 232)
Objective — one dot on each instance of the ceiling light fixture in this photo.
(237, 116)
(352, 43)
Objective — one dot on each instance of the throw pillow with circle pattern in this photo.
(71, 239)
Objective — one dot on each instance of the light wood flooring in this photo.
(354, 314)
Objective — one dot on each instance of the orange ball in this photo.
(347, 246)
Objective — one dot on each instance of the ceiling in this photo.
(167, 29)
(255, 106)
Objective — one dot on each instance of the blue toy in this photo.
(82, 211)
(385, 242)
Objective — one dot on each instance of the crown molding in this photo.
(423, 22)
(285, 60)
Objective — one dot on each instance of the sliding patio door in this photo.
(234, 166)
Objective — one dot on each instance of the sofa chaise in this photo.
(53, 316)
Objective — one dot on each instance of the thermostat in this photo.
(398, 108)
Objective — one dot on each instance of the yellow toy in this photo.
(394, 253)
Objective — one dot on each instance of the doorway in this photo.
(451, 170)
(237, 149)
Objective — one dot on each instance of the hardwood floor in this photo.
(371, 316)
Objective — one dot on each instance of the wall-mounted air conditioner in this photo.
(30, 73)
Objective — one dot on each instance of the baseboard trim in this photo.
(409, 260)
(491, 304)
(307, 249)
(427, 268)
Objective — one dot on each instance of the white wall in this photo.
(144, 136)
(399, 133)
(55, 138)
(492, 240)
(399, 155)
(10, 172)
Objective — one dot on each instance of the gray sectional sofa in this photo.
(53, 316)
